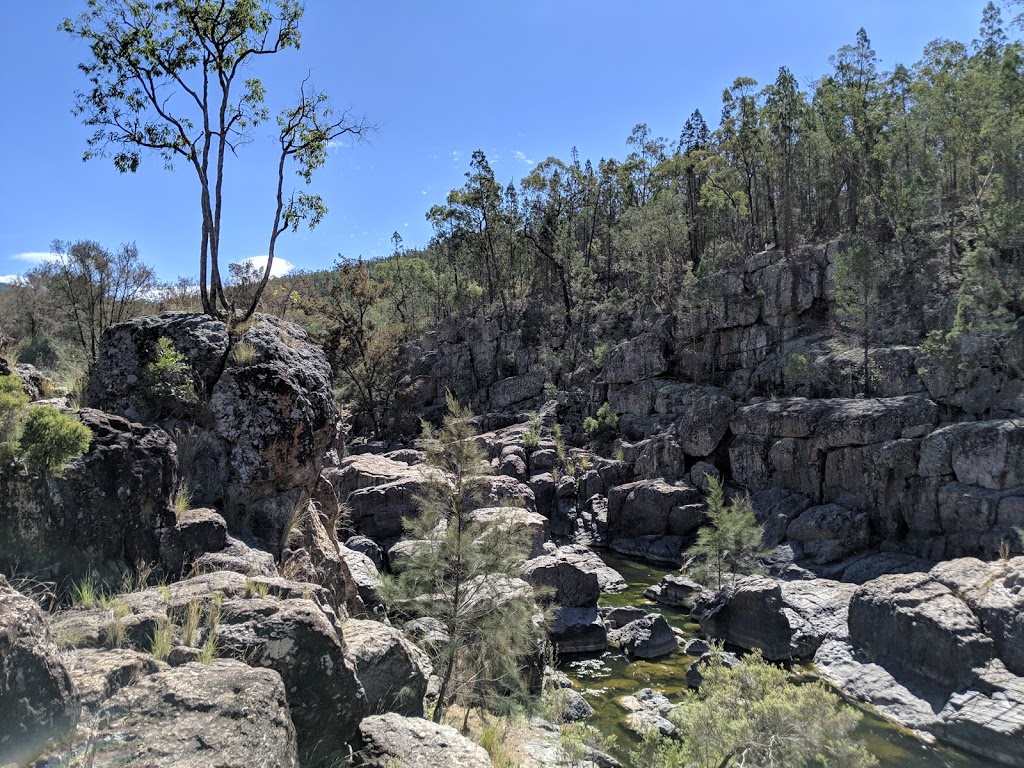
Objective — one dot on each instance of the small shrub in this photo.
(576, 742)
(117, 633)
(13, 402)
(256, 588)
(85, 593)
(797, 372)
(51, 439)
(163, 640)
(209, 650)
(40, 351)
(492, 739)
(600, 354)
(170, 377)
(559, 442)
(531, 439)
(182, 501)
(243, 353)
(190, 626)
(601, 426)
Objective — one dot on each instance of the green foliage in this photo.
(858, 278)
(181, 502)
(797, 372)
(170, 378)
(981, 310)
(601, 426)
(731, 542)
(753, 715)
(460, 575)
(39, 350)
(364, 350)
(51, 439)
(13, 402)
(141, 49)
(242, 354)
(86, 593)
(493, 735)
(578, 741)
(163, 640)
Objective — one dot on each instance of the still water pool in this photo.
(606, 676)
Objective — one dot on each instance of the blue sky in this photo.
(522, 81)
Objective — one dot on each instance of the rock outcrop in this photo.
(645, 638)
(392, 671)
(224, 713)
(784, 620)
(38, 700)
(112, 504)
(391, 739)
(269, 413)
(297, 640)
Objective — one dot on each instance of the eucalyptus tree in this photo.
(173, 78)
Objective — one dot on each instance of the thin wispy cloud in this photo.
(522, 157)
(456, 155)
(338, 144)
(35, 257)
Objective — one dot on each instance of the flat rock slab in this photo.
(783, 619)
(224, 713)
(411, 742)
(985, 718)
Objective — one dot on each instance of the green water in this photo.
(607, 676)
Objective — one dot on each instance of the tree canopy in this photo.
(173, 78)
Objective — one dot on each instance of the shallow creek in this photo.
(604, 677)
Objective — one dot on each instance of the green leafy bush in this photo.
(12, 407)
(50, 439)
(752, 714)
(603, 425)
(170, 377)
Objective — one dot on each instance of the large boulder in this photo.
(532, 526)
(277, 416)
(297, 639)
(393, 671)
(645, 638)
(674, 590)
(365, 576)
(112, 504)
(411, 742)
(270, 410)
(784, 620)
(316, 556)
(38, 700)
(573, 586)
(118, 379)
(830, 532)
(224, 713)
(916, 625)
(653, 508)
(578, 630)
(995, 594)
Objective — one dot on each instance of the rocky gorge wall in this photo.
(752, 379)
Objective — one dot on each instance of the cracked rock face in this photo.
(38, 700)
(225, 713)
(411, 742)
(271, 412)
(296, 639)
